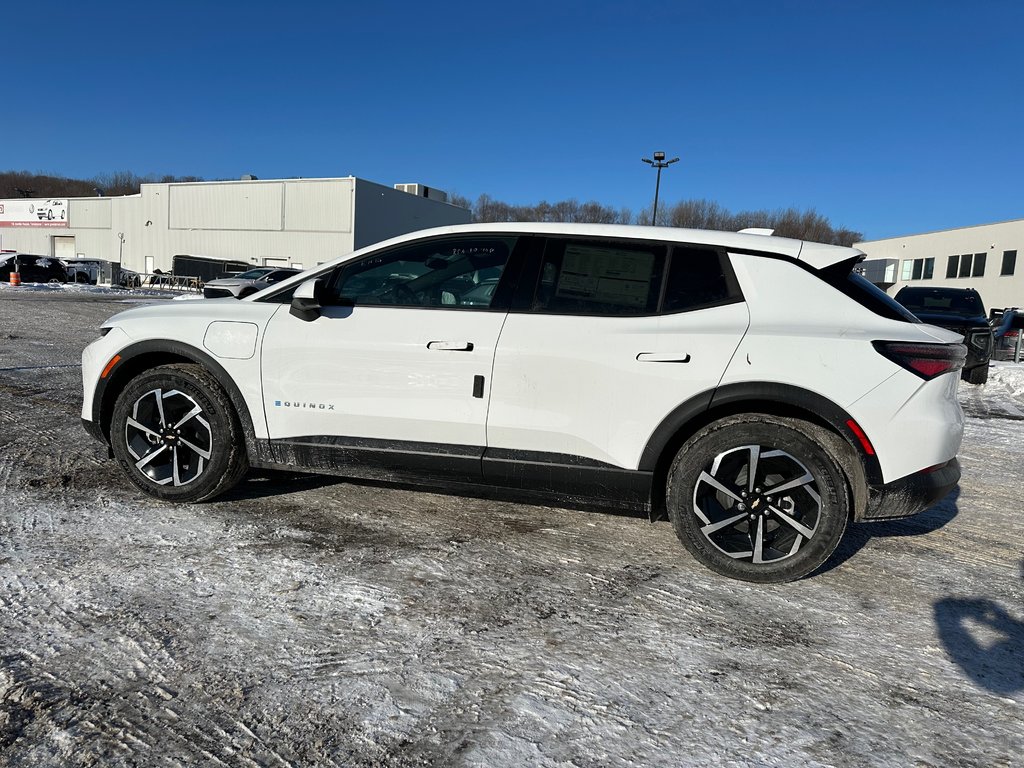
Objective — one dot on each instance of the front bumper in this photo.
(913, 493)
(95, 430)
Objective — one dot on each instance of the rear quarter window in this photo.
(842, 277)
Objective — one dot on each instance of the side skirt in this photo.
(572, 481)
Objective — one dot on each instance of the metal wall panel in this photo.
(318, 205)
(242, 205)
(382, 212)
(90, 212)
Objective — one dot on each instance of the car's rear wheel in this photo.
(176, 434)
(758, 498)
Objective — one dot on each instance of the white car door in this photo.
(395, 370)
(614, 341)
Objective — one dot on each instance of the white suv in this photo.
(755, 389)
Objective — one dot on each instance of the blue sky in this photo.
(888, 118)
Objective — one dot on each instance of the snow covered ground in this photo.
(82, 289)
(311, 621)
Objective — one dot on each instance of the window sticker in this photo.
(605, 275)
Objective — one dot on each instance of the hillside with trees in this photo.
(14, 184)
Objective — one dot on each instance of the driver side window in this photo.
(446, 273)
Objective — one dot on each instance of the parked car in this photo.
(960, 310)
(1008, 329)
(86, 270)
(754, 389)
(246, 283)
(32, 268)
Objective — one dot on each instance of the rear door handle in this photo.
(451, 346)
(663, 357)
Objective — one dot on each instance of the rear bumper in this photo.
(913, 493)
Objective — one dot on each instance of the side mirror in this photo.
(306, 300)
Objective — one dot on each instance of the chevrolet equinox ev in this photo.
(755, 390)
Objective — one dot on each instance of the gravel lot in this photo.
(311, 621)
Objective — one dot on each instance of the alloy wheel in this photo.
(756, 504)
(169, 437)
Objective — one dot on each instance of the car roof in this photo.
(817, 255)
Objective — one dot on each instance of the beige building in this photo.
(987, 257)
(284, 222)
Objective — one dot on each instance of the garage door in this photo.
(64, 247)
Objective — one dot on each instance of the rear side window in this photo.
(699, 278)
(609, 278)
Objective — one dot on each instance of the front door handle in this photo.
(663, 357)
(451, 346)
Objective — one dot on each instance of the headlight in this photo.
(980, 340)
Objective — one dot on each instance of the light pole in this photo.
(658, 162)
(120, 250)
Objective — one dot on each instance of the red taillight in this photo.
(869, 449)
(926, 360)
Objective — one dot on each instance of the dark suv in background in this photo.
(960, 310)
(32, 268)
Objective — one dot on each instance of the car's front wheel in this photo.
(176, 434)
(758, 498)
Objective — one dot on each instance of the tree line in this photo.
(697, 214)
(15, 184)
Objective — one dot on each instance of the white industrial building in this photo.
(983, 257)
(285, 222)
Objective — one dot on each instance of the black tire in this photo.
(978, 375)
(178, 424)
(708, 486)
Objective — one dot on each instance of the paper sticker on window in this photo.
(605, 275)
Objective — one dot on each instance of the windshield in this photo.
(253, 274)
(941, 301)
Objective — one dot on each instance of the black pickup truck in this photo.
(960, 310)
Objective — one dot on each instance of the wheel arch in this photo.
(767, 398)
(144, 355)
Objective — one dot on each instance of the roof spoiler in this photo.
(757, 231)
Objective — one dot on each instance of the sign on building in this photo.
(34, 213)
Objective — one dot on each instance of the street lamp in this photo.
(120, 250)
(658, 162)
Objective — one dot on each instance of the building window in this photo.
(951, 266)
(979, 265)
(965, 264)
(1009, 262)
(917, 269)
